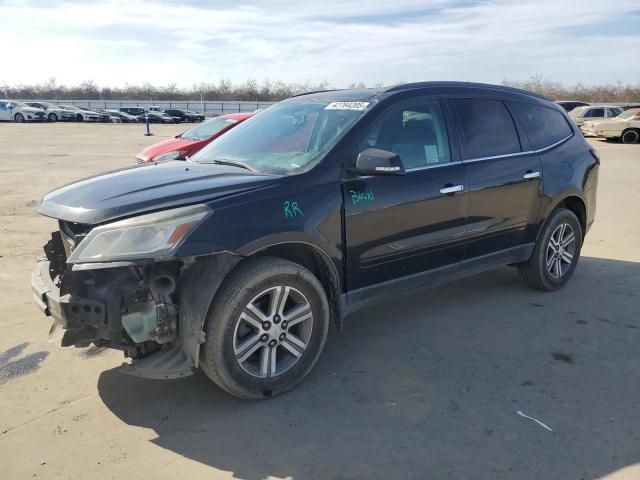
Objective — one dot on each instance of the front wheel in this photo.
(19, 118)
(53, 117)
(556, 252)
(266, 328)
(79, 117)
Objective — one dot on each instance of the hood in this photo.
(165, 146)
(137, 190)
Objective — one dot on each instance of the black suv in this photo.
(239, 259)
(135, 111)
(185, 115)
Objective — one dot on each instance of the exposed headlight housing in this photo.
(167, 157)
(147, 236)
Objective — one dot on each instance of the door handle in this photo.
(452, 189)
(529, 175)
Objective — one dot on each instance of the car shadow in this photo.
(428, 386)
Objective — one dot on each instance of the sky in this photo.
(115, 42)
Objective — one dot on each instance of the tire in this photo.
(230, 323)
(19, 118)
(630, 136)
(541, 273)
(52, 117)
(79, 117)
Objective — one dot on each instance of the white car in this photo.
(625, 127)
(20, 112)
(54, 112)
(580, 115)
(81, 114)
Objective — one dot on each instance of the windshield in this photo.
(208, 129)
(630, 113)
(285, 137)
(576, 112)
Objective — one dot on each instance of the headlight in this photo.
(146, 236)
(166, 157)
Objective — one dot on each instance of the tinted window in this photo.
(544, 126)
(416, 132)
(487, 128)
(595, 112)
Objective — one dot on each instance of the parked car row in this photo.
(612, 122)
(18, 111)
(569, 105)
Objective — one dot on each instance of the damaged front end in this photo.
(151, 308)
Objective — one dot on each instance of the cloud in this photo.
(116, 42)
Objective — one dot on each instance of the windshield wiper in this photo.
(231, 163)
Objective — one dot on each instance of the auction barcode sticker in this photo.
(347, 106)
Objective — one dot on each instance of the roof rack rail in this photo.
(409, 86)
(315, 91)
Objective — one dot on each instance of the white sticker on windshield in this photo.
(347, 106)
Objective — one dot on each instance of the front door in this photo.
(402, 225)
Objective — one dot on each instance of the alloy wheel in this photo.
(273, 331)
(560, 250)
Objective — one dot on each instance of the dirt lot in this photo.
(426, 389)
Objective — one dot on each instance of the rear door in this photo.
(504, 176)
(397, 226)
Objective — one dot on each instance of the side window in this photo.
(416, 132)
(597, 112)
(613, 112)
(544, 126)
(487, 128)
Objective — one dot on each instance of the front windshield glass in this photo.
(630, 113)
(576, 112)
(208, 129)
(285, 137)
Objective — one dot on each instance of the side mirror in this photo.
(374, 161)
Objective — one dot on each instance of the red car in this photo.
(189, 142)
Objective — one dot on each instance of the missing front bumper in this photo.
(82, 318)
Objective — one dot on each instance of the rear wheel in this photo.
(52, 117)
(630, 136)
(266, 328)
(18, 117)
(556, 252)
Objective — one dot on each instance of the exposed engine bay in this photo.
(132, 306)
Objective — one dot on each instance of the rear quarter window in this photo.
(544, 126)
